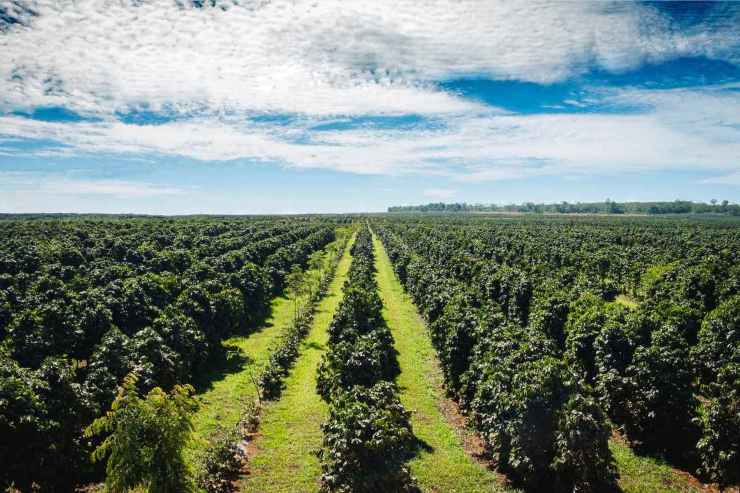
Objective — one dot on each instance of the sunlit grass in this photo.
(290, 431)
(229, 387)
(443, 465)
(627, 301)
(639, 474)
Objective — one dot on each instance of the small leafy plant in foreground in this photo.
(145, 439)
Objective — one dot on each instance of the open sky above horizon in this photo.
(260, 106)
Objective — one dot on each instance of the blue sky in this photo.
(165, 106)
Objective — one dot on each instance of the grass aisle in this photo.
(290, 430)
(228, 390)
(223, 392)
(445, 467)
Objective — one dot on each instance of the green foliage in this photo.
(282, 356)
(719, 447)
(510, 288)
(366, 439)
(454, 336)
(587, 315)
(654, 275)
(606, 207)
(367, 436)
(364, 361)
(83, 302)
(582, 457)
(549, 316)
(660, 405)
(145, 437)
(314, 283)
(520, 383)
(717, 357)
(614, 348)
(41, 412)
(541, 425)
(718, 341)
(23, 422)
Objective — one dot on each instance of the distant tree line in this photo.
(606, 207)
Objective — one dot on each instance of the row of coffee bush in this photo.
(367, 436)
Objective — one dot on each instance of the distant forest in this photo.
(606, 207)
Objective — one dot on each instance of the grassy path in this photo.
(290, 430)
(224, 391)
(228, 390)
(445, 467)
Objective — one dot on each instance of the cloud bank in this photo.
(212, 69)
(678, 130)
(320, 58)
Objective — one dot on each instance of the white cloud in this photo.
(678, 129)
(115, 188)
(439, 193)
(322, 58)
(59, 184)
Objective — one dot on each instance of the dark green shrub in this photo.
(156, 363)
(719, 338)
(719, 447)
(366, 440)
(454, 335)
(24, 424)
(614, 351)
(181, 334)
(510, 288)
(358, 313)
(549, 316)
(588, 315)
(582, 460)
(365, 361)
(541, 425)
(661, 405)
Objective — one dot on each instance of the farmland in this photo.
(373, 353)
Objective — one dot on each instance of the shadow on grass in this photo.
(548, 482)
(314, 345)
(419, 446)
(222, 363)
(228, 359)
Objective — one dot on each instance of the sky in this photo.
(270, 106)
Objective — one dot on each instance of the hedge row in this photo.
(665, 370)
(367, 436)
(539, 420)
(219, 465)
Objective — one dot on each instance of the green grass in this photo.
(290, 430)
(627, 301)
(227, 393)
(640, 474)
(444, 466)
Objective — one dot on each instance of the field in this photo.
(386, 352)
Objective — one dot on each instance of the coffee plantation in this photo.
(556, 346)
